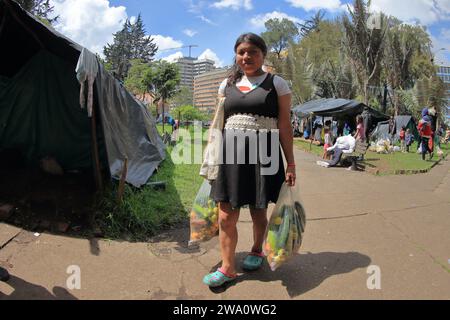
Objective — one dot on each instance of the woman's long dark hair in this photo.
(236, 73)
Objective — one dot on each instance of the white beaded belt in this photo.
(251, 122)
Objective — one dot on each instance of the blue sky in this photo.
(214, 25)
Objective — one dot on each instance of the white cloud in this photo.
(196, 6)
(310, 5)
(91, 23)
(211, 55)
(425, 12)
(442, 41)
(205, 19)
(164, 43)
(173, 57)
(259, 20)
(189, 32)
(233, 4)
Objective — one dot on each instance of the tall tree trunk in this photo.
(396, 103)
(366, 93)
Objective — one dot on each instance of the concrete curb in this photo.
(407, 172)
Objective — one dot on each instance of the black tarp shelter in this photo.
(57, 99)
(337, 108)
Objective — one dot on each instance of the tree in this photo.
(163, 79)
(311, 25)
(128, 44)
(188, 113)
(279, 34)
(431, 93)
(142, 45)
(39, 8)
(182, 97)
(364, 46)
(136, 80)
(403, 43)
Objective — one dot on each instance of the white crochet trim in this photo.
(251, 122)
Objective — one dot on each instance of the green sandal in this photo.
(253, 261)
(218, 278)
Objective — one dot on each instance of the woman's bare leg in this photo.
(259, 217)
(228, 236)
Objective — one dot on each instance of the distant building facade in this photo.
(191, 67)
(206, 86)
(444, 74)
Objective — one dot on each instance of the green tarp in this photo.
(41, 115)
(43, 112)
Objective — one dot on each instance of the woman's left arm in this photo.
(286, 135)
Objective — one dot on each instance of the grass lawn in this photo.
(385, 163)
(146, 211)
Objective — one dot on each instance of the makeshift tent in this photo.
(337, 108)
(382, 129)
(56, 99)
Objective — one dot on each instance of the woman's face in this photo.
(250, 58)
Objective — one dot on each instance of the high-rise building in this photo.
(444, 74)
(191, 67)
(206, 87)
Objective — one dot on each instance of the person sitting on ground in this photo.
(345, 144)
(328, 142)
(409, 139)
(4, 274)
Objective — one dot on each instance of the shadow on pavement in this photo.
(303, 272)
(24, 290)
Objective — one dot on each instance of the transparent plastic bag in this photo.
(284, 233)
(204, 217)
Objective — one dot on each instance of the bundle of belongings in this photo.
(343, 145)
(383, 146)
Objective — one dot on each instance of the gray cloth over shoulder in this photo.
(210, 166)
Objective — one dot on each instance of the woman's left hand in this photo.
(290, 176)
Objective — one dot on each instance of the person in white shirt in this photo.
(344, 144)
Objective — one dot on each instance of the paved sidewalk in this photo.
(355, 221)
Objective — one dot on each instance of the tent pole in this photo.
(121, 188)
(95, 153)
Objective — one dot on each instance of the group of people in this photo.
(333, 149)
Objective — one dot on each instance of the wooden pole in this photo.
(95, 153)
(122, 181)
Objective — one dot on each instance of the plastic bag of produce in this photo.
(204, 217)
(286, 227)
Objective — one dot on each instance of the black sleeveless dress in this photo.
(243, 184)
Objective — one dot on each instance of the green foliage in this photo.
(182, 97)
(163, 77)
(279, 34)
(431, 92)
(312, 24)
(188, 113)
(42, 9)
(408, 103)
(364, 47)
(137, 78)
(129, 43)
